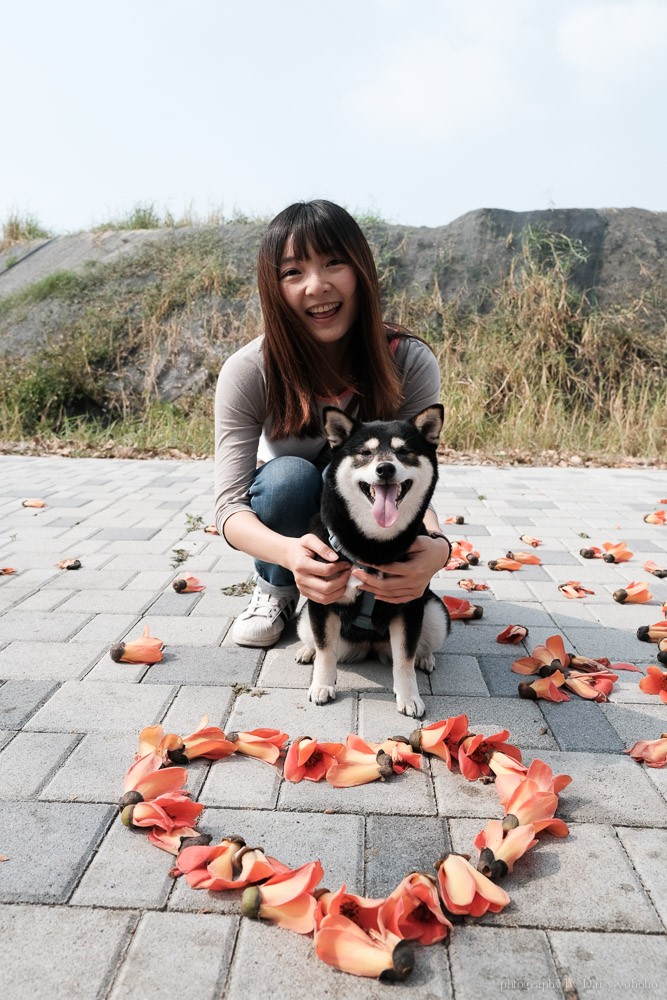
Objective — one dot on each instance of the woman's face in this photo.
(322, 291)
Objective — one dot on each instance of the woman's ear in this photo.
(429, 422)
(337, 426)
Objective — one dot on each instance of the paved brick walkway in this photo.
(88, 908)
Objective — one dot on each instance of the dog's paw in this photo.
(321, 694)
(413, 707)
(305, 655)
(425, 663)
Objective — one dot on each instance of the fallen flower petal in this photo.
(166, 811)
(187, 584)
(653, 633)
(463, 550)
(398, 748)
(662, 651)
(551, 655)
(546, 688)
(309, 759)
(512, 635)
(150, 779)
(657, 517)
(460, 609)
(525, 558)
(413, 912)
(7, 571)
(474, 751)
(528, 804)
(146, 650)
(616, 552)
(655, 682)
(349, 771)
(652, 752)
(69, 564)
(512, 565)
(500, 850)
(342, 944)
(286, 900)
(466, 891)
(362, 910)
(265, 744)
(172, 842)
(33, 503)
(530, 540)
(509, 778)
(472, 585)
(633, 593)
(594, 687)
(652, 567)
(592, 553)
(573, 589)
(442, 739)
(454, 519)
(206, 741)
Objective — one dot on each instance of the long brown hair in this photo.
(296, 369)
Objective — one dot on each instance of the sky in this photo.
(413, 110)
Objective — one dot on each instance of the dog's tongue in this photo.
(385, 509)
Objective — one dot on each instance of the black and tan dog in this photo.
(375, 494)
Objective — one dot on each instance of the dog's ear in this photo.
(429, 422)
(337, 426)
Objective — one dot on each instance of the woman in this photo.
(324, 344)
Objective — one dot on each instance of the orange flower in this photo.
(593, 686)
(169, 746)
(175, 840)
(502, 764)
(512, 635)
(464, 551)
(573, 589)
(652, 567)
(354, 767)
(187, 584)
(545, 689)
(552, 654)
(653, 633)
(341, 943)
(227, 865)
(528, 804)
(633, 593)
(398, 748)
(168, 812)
(150, 779)
(525, 558)
(442, 738)
(593, 553)
(472, 585)
(662, 651)
(499, 850)
(466, 891)
(286, 899)
(145, 650)
(307, 758)
(616, 552)
(265, 744)
(33, 503)
(455, 562)
(70, 563)
(655, 682)
(362, 910)
(530, 540)
(456, 519)
(461, 610)
(7, 571)
(475, 750)
(509, 778)
(657, 517)
(413, 912)
(652, 752)
(504, 563)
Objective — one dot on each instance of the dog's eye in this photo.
(365, 452)
(402, 452)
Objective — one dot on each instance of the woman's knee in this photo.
(286, 493)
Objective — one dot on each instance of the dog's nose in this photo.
(386, 470)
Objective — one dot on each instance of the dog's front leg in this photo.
(325, 625)
(403, 641)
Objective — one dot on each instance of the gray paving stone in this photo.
(620, 646)
(181, 942)
(106, 628)
(19, 699)
(636, 722)
(396, 846)
(240, 782)
(216, 605)
(478, 974)
(128, 602)
(102, 707)
(48, 845)
(155, 580)
(581, 725)
(42, 660)
(267, 954)
(71, 953)
(94, 771)
(43, 600)
(498, 674)
(646, 850)
(335, 840)
(614, 966)
(294, 714)
(408, 794)
(90, 579)
(177, 631)
(500, 613)
(118, 673)
(205, 665)
(171, 603)
(193, 702)
(30, 760)
(457, 675)
(126, 534)
(603, 891)
(41, 627)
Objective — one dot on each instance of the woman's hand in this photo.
(324, 582)
(406, 581)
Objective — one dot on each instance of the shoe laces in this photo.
(268, 605)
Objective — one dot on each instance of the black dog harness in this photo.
(364, 618)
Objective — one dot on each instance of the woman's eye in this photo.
(336, 262)
(289, 273)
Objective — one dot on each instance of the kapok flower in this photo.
(500, 763)
(652, 752)
(7, 571)
(573, 589)
(264, 744)
(662, 651)
(593, 686)
(397, 747)
(309, 759)
(70, 563)
(653, 633)
(655, 682)
(545, 689)
(530, 540)
(466, 891)
(474, 751)
(168, 812)
(552, 654)
(512, 565)
(285, 900)
(33, 503)
(461, 609)
(525, 558)
(145, 650)
(413, 912)
(344, 945)
(528, 804)
(472, 585)
(355, 767)
(442, 738)
(458, 519)
(512, 635)
(657, 517)
(499, 850)
(153, 739)
(150, 779)
(616, 552)
(175, 840)
(652, 567)
(592, 553)
(509, 778)
(465, 551)
(187, 584)
(154, 796)
(633, 593)
(227, 865)
(362, 910)
(208, 741)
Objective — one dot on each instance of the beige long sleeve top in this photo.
(242, 422)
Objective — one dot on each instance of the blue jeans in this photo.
(284, 495)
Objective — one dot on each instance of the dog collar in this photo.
(364, 618)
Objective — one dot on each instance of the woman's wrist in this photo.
(445, 545)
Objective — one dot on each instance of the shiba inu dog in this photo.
(376, 490)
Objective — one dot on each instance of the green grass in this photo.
(19, 228)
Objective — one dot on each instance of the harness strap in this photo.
(364, 618)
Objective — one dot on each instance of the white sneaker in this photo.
(262, 622)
